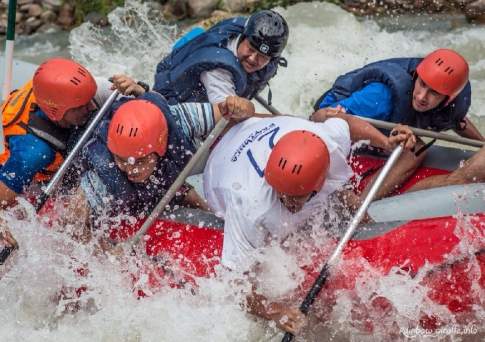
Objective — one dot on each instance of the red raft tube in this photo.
(430, 228)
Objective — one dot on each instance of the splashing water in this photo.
(39, 301)
(136, 40)
(40, 293)
(324, 42)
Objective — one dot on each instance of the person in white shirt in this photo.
(267, 176)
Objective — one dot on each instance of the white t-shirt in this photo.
(236, 190)
(218, 82)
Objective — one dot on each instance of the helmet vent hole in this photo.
(119, 129)
(282, 163)
(75, 81)
(449, 70)
(439, 61)
(82, 72)
(297, 168)
(133, 132)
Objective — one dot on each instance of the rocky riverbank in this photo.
(38, 16)
(474, 10)
(54, 15)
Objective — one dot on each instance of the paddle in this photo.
(426, 133)
(5, 253)
(390, 125)
(7, 84)
(325, 271)
(267, 106)
(54, 182)
(216, 132)
(9, 44)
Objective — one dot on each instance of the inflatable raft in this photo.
(441, 230)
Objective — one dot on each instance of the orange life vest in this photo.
(16, 112)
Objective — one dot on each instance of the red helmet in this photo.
(445, 71)
(61, 84)
(298, 164)
(138, 128)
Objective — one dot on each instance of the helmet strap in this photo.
(313, 194)
(282, 62)
(270, 94)
(462, 125)
(240, 38)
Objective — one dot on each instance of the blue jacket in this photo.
(33, 152)
(399, 75)
(178, 75)
(138, 198)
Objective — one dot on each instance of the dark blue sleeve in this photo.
(28, 155)
(373, 101)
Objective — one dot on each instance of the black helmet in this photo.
(267, 31)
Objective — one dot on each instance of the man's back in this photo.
(236, 189)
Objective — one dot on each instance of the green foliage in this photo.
(83, 7)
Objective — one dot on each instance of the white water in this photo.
(325, 42)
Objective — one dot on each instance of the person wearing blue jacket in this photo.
(138, 151)
(238, 56)
(431, 93)
(413, 91)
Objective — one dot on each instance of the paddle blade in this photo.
(5, 253)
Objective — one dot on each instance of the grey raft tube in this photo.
(437, 202)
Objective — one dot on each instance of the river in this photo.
(325, 41)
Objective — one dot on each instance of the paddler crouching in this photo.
(139, 150)
(41, 122)
(268, 176)
(432, 93)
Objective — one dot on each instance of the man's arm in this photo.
(7, 196)
(287, 318)
(126, 85)
(28, 155)
(241, 238)
(192, 199)
(218, 84)
(362, 130)
(6, 239)
(234, 108)
(77, 215)
(198, 119)
(470, 131)
(372, 101)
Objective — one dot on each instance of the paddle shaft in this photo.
(215, 133)
(390, 125)
(267, 106)
(427, 133)
(5, 253)
(8, 65)
(9, 46)
(54, 182)
(7, 84)
(325, 271)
